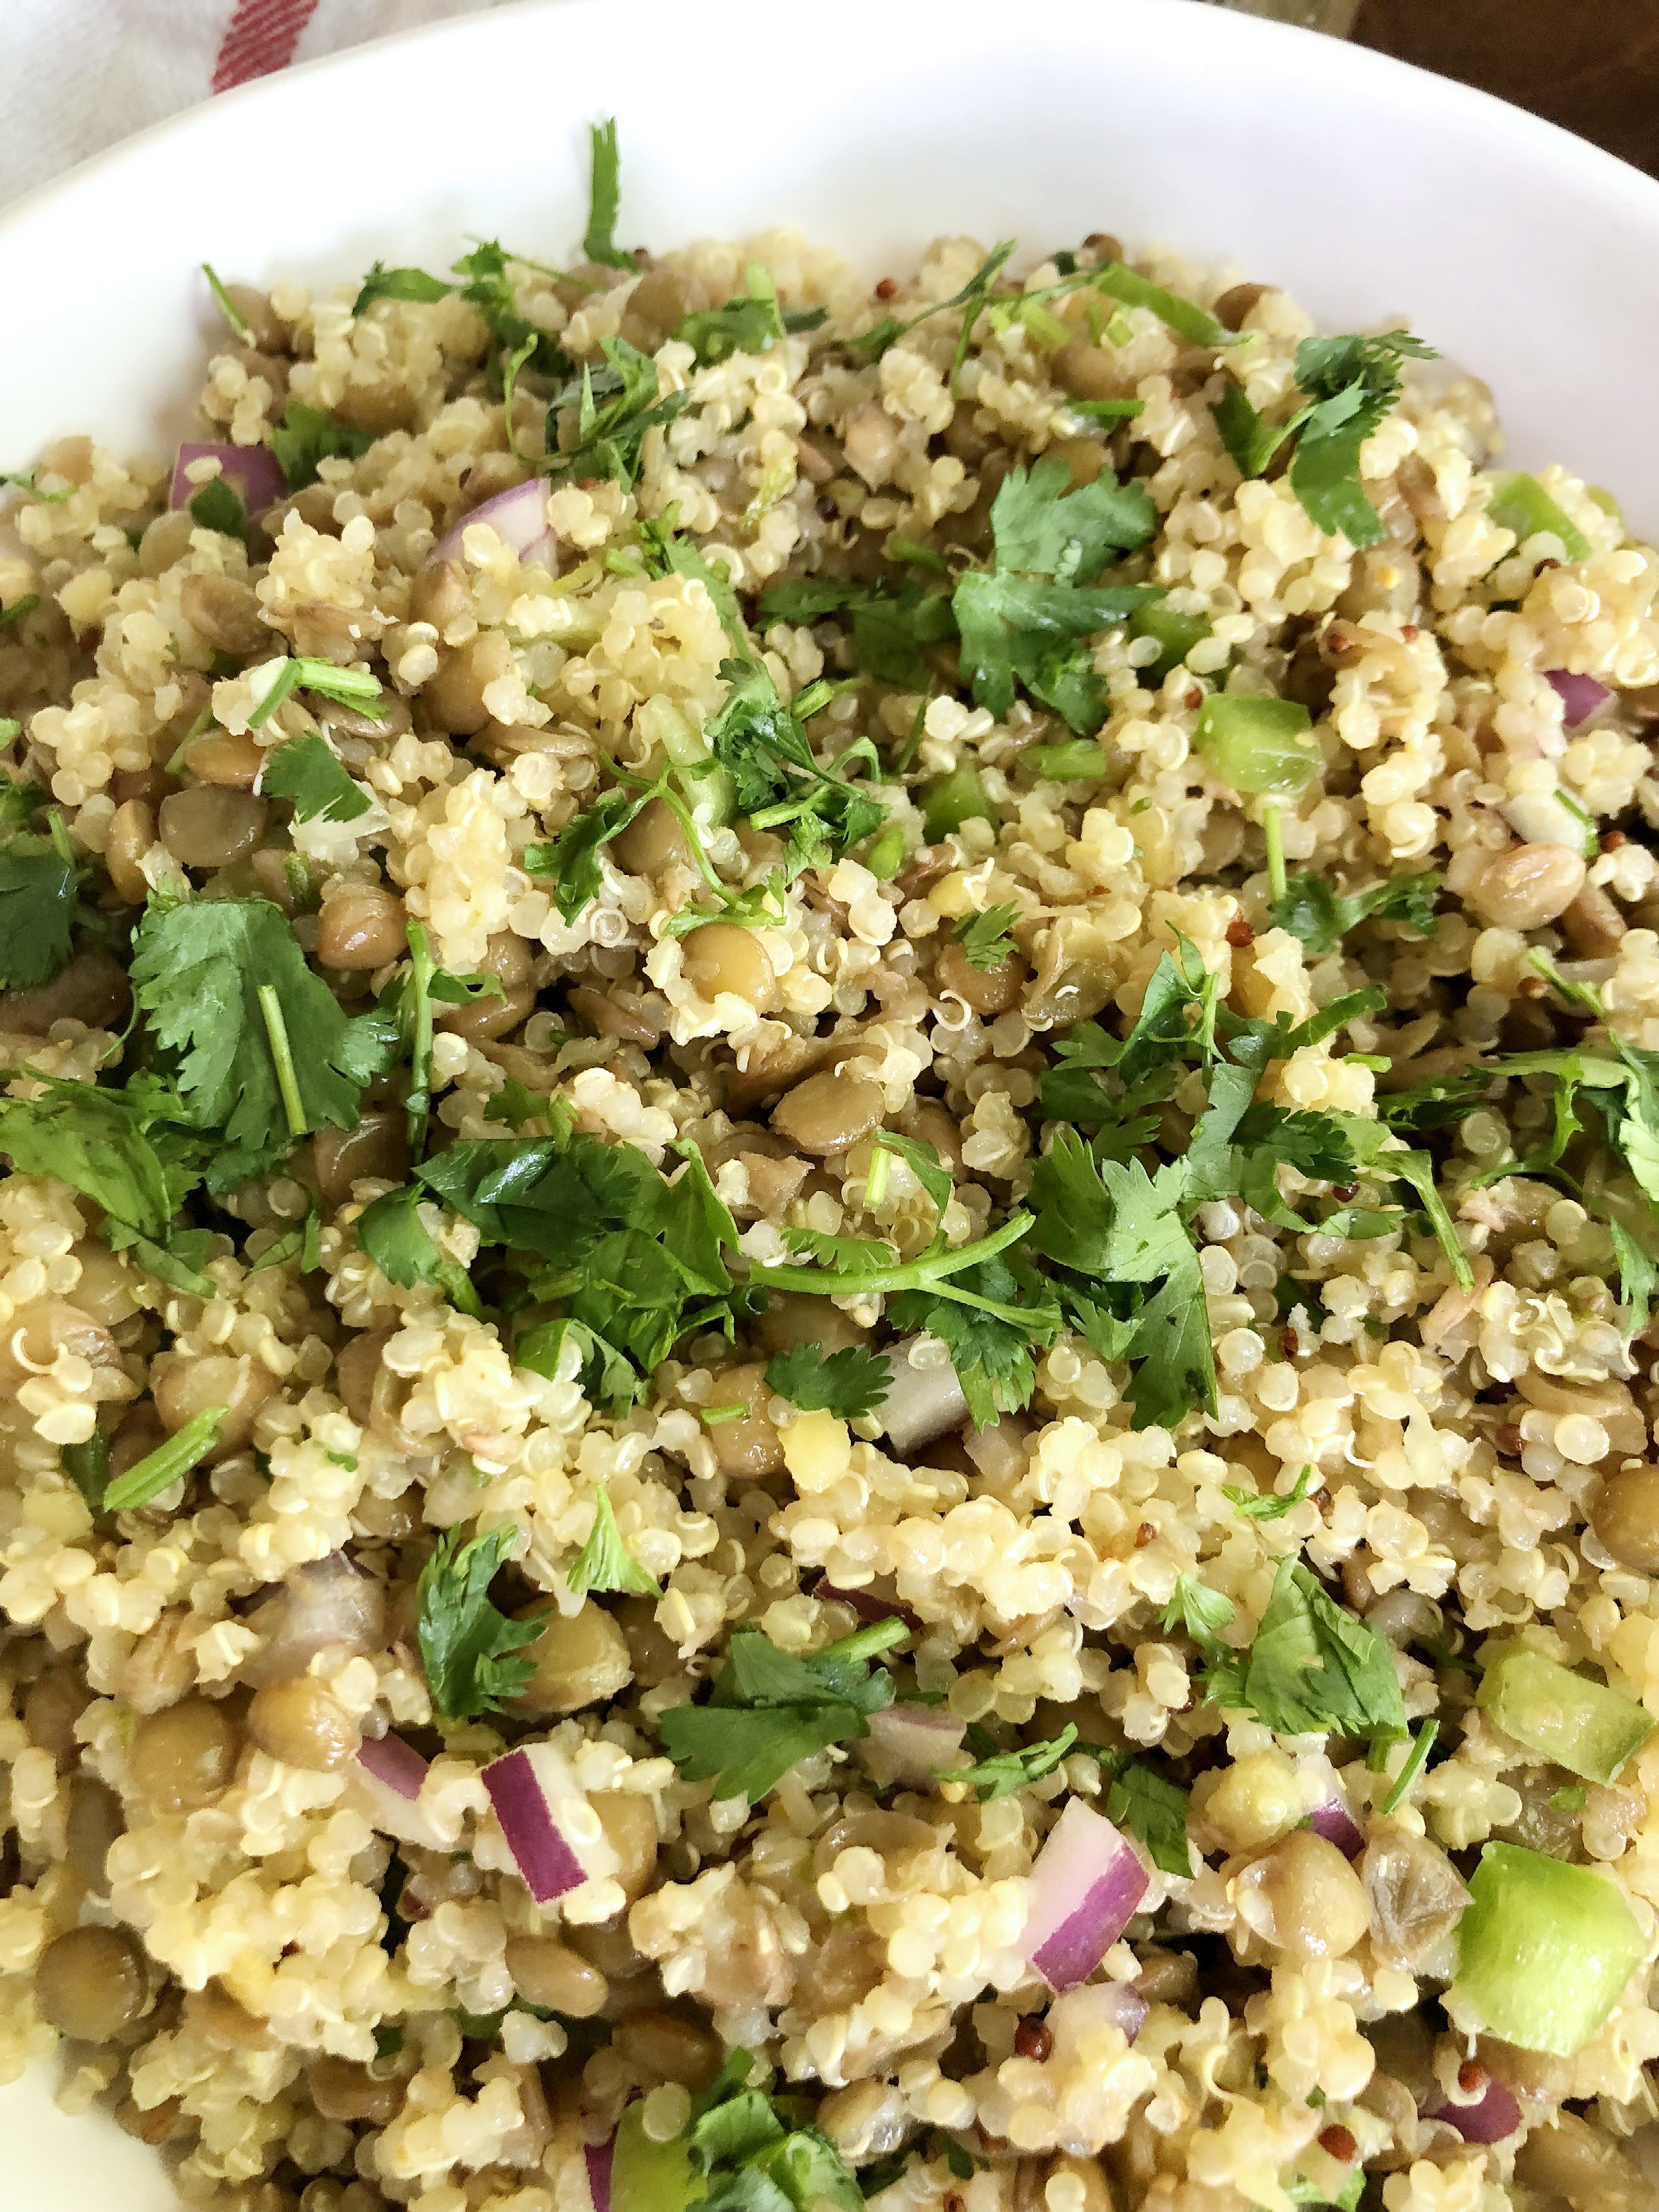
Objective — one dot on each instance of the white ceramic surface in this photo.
(1371, 190)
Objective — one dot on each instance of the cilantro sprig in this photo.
(986, 938)
(604, 1562)
(1353, 384)
(1320, 916)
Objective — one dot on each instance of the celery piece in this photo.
(1544, 1950)
(950, 800)
(647, 2176)
(1521, 503)
(1582, 1725)
(1176, 634)
(1081, 761)
(1258, 745)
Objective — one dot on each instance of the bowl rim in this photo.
(1487, 115)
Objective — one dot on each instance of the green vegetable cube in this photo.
(952, 800)
(1521, 503)
(1545, 1950)
(1176, 634)
(1582, 1725)
(1258, 745)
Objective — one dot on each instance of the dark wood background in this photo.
(1592, 65)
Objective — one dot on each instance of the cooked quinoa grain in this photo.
(825, 1293)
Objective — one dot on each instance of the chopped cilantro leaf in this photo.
(121, 1150)
(384, 284)
(1154, 1809)
(1204, 1613)
(307, 436)
(1026, 618)
(470, 1650)
(572, 860)
(12, 616)
(1322, 917)
(616, 406)
(765, 749)
(18, 801)
(307, 770)
(768, 1710)
(1312, 1666)
(1259, 1505)
(1005, 1771)
(218, 507)
(392, 1232)
(848, 1383)
(984, 938)
(1636, 1276)
(604, 1562)
(39, 907)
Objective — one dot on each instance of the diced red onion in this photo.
(392, 1761)
(383, 1785)
(552, 1832)
(324, 1606)
(923, 1402)
(1580, 695)
(1337, 1825)
(518, 516)
(254, 467)
(911, 1744)
(1492, 2116)
(869, 1603)
(1540, 818)
(597, 2157)
(1085, 1886)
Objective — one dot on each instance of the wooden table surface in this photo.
(1592, 65)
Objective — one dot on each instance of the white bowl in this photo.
(1370, 190)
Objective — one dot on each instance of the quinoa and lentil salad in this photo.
(832, 1129)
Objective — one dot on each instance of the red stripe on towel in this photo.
(261, 37)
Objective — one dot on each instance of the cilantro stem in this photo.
(160, 1469)
(865, 1642)
(270, 1007)
(930, 1272)
(227, 307)
(1272, 828)
(509, 386)
(912, 742)
(419, 1103)
(1414, 1766)
(875, 1183)
(198, 729)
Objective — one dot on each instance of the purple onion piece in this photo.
(598, 2157)
(1492, 2117)
(922, 1403)
(914, 1743)
(518, 516)
(1337, 1825)
(868, 1604)
(1085, 1886)
(254, 467)
(1580, 695)
(546, 1861)
(396, 1764)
